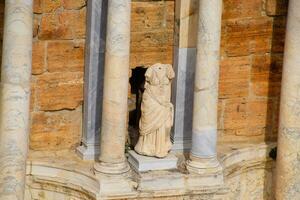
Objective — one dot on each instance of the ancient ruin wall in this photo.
(252, 51)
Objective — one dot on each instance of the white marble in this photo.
(157, 112)
(145, 163)
(205, 108)
(93, 80)
(15, 97)
(115, 92)
(288, 162)
(182, 98)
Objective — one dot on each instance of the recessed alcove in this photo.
(136, 81)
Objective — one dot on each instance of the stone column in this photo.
(115, 96)
(93, 79)
(203, 156)
(15, 97)
(288, 152)
(184, 67)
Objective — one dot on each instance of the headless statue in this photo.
(157, 112)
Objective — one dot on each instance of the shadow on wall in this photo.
(275, 66)
(274, 83)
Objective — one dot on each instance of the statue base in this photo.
(144, 163)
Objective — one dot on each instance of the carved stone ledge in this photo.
(62, 175)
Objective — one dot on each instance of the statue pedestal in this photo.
(144, 163)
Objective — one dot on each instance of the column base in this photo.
(203, 165)
(111, 168)
(90, 152)
(181, 145)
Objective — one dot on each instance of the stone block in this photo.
(65, 56)
(67, 24)
(234, 77)
(276, 7)
(159, 182)
(266, 75)
(144, 163)
(152, 25)
(71, 4)
(37, 6)
(51, 5)
(56, 91)
(36, 24)
(241, 8)
(246, 36)
(38, 60)
(55, 130)
(235, 114)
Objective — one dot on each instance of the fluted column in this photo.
(115, 96)
(203, 156)
(15, 97)
(288, 152)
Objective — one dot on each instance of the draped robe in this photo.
(157, 112)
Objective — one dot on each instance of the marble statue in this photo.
(157, 112)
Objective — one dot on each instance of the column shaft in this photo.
(115, 96)
(288, 162)
(15, 97)
(204, 138)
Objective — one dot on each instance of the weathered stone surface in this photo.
(15, 97)
(276, 7)
(56, 91)
(50, 5)
(266, 75)
(55, 130)
(38, 60)
(246, 36)
(241, 9)
(71, 4)
(65, 56)
(234, 77)
(68, 24)
(36, 24)
(37, 6)
(115, 91)
(235, 114)
(250, 118)
(152, 24)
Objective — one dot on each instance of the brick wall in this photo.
(252, 51)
